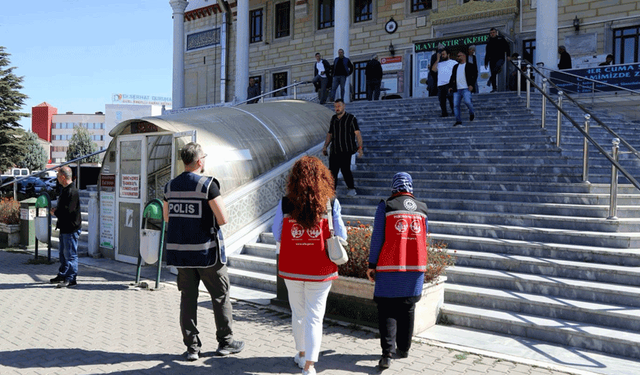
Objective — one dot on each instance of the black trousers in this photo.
(443, 95)
(216, 280)
(341, 162)
(396, 318)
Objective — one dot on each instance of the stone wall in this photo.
(295, 54)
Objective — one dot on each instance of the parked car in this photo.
(33, 187)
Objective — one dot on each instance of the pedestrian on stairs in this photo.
(443, 66)
(342, 135)
(397, 262)
(301, 226)
(69, 223)
(461, 85)
(194, 211)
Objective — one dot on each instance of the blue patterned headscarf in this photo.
(402, 182)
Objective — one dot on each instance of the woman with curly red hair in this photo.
(301, 226)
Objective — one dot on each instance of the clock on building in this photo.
(391, 26)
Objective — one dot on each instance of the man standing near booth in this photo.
(69, 223)
(194, 211)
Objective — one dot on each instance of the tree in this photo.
(11, 101)
(81, 144)
(35, 158)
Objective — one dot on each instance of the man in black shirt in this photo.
(373, 73)
(342, 68)
(497, 50)
(69, 223)
(252, 91)
(565, 58)
(342, 135)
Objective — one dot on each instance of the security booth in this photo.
(244, 144)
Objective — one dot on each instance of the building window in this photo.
(363, 10)
(626, 45)
(420, 5)
(325, 13)
(529, 50)
(283, 19)
(255, 26)
(279, 81)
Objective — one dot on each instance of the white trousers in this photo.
(308, 301)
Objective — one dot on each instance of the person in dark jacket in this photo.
(252, 91)
(69, 223)
(342, 68)
(461, 84)
(608, 61)
(321, 75)
(397, 262)
(373, 74)
(565, 58)
(497, 49)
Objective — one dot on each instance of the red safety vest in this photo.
(302, 251)
(405, 237)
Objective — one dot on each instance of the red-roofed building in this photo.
(41, 119)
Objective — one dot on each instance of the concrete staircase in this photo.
(535, 254)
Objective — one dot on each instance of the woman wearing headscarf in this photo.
(301, 225)
(397, 262)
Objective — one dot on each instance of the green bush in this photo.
(359, 242)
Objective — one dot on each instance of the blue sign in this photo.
(626, 76)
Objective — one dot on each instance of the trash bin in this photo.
(27, 227)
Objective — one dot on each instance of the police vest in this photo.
(302, 251)
(405, 235)
(192, 239)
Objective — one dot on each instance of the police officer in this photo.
(194, 211)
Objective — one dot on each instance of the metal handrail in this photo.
(51, 169)
(591, 80)
(294, 85)
(612, 159)
(592, 115)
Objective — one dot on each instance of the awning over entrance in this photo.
(241, 142)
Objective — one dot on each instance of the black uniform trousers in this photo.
(341, 161)
(216, 280)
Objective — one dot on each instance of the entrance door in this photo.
(130, 185)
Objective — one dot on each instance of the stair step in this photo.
(609, 315)
(252, 263)
(251, 279)
(549, 267)
(546, 285)
(565, 332)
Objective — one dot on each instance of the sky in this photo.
(74, 54)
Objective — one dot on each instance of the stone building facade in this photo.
(282, 37)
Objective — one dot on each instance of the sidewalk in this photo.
(107, 325)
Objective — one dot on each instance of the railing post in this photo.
(528, 86)
(519, 75)
(613, 201)
(559, 124)
(295, 89)
(544, 101)
(585, 150)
